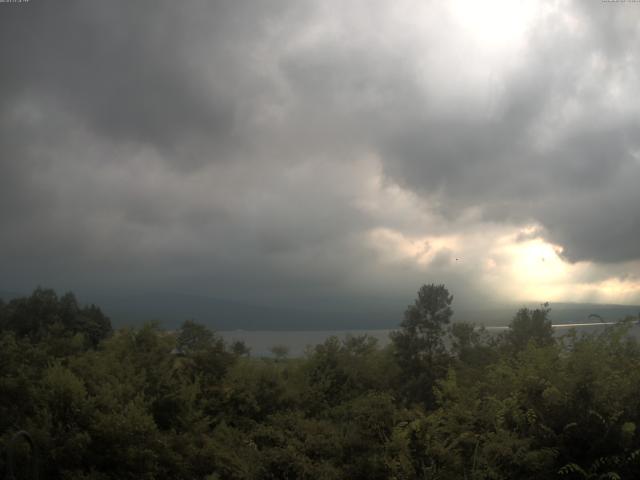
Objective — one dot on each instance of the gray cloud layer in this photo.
(227, 147)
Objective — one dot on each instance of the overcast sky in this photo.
(326, 152)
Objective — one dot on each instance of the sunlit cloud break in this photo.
(322, 153)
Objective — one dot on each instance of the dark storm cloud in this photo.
(526, 159)
(153, 72)
(233, 146)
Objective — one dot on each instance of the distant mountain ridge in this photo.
(7, 295)
(561, 312)
(219, 314)
(171, 309)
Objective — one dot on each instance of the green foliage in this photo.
(530, 326)
(419, 345)
(58, 322)
(337, 371)
(424, 322)
(280, 351)
(195, 338)
(145, 403)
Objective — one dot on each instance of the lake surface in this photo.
(261, 342)
(297, 342)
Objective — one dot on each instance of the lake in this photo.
(261, 342)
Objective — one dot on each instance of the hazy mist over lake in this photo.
(299, 343)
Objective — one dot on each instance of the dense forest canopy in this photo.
(443, 401)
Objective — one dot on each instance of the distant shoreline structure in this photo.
(558, 325)
(297, 341)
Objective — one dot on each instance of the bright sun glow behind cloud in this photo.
(535, 270)
(495, 24)
(517, 269)
(513, 263)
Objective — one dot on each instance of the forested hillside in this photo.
(149, 404)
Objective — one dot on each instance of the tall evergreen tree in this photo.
(419, 345)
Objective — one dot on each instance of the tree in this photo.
(419, 346)
(240, 348)
(463, 337)
(423, 324)
(281, 352)
(194, 337)
(530, 325)
(205, 352)
(44, 315)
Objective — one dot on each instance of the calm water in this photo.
(296, 341)
(261, 342)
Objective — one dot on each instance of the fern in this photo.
(570, 468)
